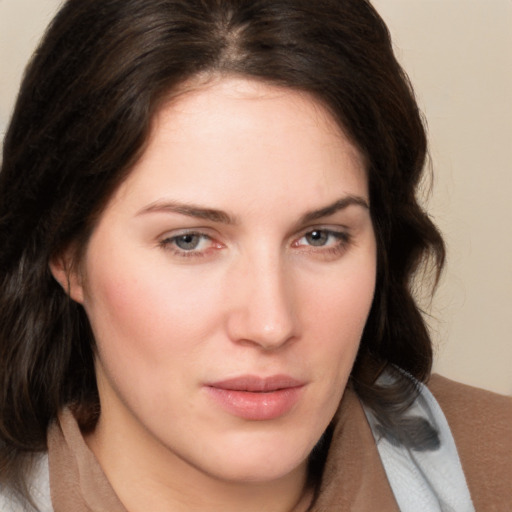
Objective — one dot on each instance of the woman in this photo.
(209, 230)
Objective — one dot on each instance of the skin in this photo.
(264, 288)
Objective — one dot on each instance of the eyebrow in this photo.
(331, 209)
(190, 210)
(222, 217)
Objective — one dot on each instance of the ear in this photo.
(67, 273)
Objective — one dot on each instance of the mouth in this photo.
(255, 384)
(257, 398)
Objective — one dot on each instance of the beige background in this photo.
(458, 54)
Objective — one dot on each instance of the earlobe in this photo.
(68, 276)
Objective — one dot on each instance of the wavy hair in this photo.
(81, 121)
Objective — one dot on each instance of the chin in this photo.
(259, 471)
(261, 459)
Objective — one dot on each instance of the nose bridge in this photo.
(263, 312)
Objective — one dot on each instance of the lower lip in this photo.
(256, 406)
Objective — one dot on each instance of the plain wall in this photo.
(458, 54)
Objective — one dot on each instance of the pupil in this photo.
(187, 242)
(317, 238)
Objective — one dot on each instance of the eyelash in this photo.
(342, 240)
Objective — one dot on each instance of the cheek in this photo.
(335, 315)
(140, 312)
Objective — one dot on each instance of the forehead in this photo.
(234, 138)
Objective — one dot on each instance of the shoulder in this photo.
(481, 424)
(475, 414)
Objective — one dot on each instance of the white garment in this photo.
(39, 490)
(429, 480)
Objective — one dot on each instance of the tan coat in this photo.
(354, 478)
(481, 424)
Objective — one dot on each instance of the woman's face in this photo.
(228, 282)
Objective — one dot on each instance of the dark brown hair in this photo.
(81, 121)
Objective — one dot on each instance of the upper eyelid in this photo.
(207, 232)
(174, 233)
(329, 229)
(185, 233)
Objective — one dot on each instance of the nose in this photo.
(263, 311)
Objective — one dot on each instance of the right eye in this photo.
(189, 244)
(188, 241)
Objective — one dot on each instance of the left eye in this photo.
(320, 238)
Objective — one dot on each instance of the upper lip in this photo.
(254, 383)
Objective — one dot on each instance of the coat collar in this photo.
(353, 478)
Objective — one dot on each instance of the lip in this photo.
(257, 398)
